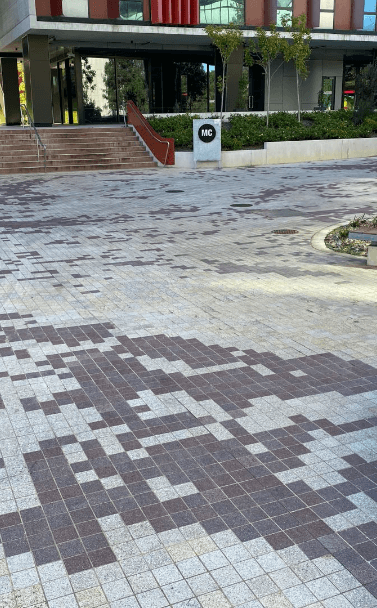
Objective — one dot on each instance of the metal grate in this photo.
(285, 231)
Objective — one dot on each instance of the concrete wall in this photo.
(283, 87)
(14, 19)
(284, 152)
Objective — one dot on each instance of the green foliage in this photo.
(365, 93)
(244, 132)
(131, 83)
(226, 39)
(343, 232)
(88, 76)
(357, 221)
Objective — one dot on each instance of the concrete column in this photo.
(234, 73)
(38, 79)
(79, 89)
(11, 95)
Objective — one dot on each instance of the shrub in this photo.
(248, 131)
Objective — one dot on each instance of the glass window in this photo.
(328, 88)
(326, 21)
(132, 10)
(369, 23)
(281, 14)
(284, 11)
(370, 6)
(222, 12)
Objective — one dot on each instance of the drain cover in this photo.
(174, 191)
(241, 205)
(285, 231)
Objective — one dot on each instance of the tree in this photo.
(196, 81)
(88, 84)
(130, 82)
(226, 39)
(267, 47)
(365, 92)
(298, 50)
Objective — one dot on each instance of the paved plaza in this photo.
(188, 412)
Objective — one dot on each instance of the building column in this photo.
(11, 95)
(38, 79)
(79, 90)
(234, 73)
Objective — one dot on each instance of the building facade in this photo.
(80, 59)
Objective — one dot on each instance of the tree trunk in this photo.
(222, 93)
(268, 91)
(298, 97)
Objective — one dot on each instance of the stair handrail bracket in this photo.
(31, 125)
(162, 148)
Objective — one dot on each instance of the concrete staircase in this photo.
(72, 149)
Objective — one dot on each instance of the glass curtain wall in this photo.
(131, 10)
(107, 85)
(222, 12)
(369, 21)
(284, 10)
(64, 94)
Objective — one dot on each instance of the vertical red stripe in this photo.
(166, 11)
(156, 11)
(146, 10)
(185, 12)
(194, 12)
(113, 9)
(56, 8)
(177, 11)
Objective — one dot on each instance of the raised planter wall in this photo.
(280, 152)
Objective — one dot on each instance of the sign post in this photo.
(207, 140)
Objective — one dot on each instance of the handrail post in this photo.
(39, 143)
(151, 139)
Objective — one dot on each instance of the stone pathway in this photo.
(188, 402)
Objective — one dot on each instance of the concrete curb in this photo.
(288, 152)
(318, 242)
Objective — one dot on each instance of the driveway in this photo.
(188, 404)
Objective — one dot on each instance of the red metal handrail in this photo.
(161, 147)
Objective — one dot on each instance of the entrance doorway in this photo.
(64, 92)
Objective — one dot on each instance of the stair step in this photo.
(69, 168)
(77, 149)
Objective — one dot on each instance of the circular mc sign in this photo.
(207, 133)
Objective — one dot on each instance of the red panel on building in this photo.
(342, 15)
(254, 12)
(43, 8)
(357, 14)
(113, 9)
(185, 12)
(179, 12)
(56, 8)
(156, 11)
(98, 9)
(299, 7)
(167, 11)
(194, 12)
